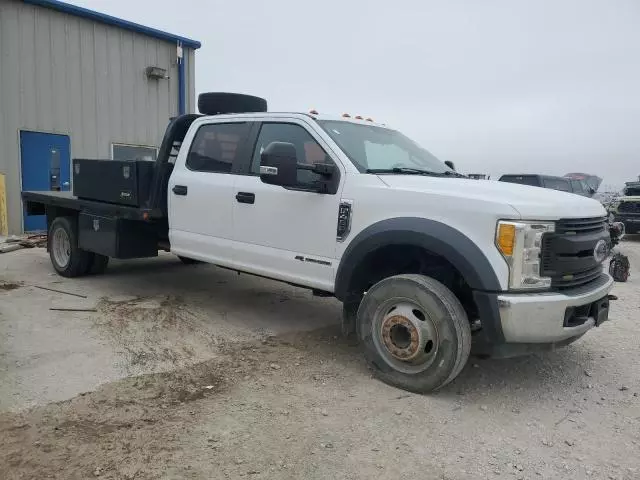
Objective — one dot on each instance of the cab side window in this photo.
(215, 147)
(308, 150)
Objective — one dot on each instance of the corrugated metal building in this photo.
(77, 83)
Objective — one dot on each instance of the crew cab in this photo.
(423, 259)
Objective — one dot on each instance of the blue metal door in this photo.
(45, 160)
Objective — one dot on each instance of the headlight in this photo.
(520, 244)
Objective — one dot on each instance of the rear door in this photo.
(201, 190)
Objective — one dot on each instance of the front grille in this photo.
(581, 225)
(576, 279)
(567, 254)
(629, 207)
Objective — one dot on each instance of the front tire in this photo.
(415, 332)
(62, 241)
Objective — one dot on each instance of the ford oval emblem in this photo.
(600, 251)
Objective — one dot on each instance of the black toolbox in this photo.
(117, 237)
(113, 181)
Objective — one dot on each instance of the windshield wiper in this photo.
(414, 171)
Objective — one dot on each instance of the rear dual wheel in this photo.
(67, 258)
(415, 332)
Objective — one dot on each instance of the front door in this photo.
(45, 160)
(200, 192)
(287, 234)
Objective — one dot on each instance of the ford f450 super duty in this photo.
(423, 259)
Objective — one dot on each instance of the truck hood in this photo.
(534, 203)
(630, 198)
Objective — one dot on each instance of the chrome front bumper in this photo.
(539, 317)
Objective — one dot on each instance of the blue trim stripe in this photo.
(117, 22)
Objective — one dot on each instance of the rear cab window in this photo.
(217, 147)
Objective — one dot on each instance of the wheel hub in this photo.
(407, 335)
(400, 337)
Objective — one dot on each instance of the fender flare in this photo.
(431, 235)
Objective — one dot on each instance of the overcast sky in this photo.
(546, 86)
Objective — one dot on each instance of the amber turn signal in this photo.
(506, 238)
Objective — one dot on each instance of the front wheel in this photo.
(415, 333)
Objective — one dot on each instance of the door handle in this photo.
(179, 189)
(246, 197)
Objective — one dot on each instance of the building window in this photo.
(120, 151)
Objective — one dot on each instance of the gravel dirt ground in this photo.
(194, 372)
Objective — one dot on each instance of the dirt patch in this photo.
(156, 333)
(304, 406)
(125, 430)
(8, 286)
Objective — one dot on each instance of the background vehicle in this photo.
(564, 184)
(626, 208)
(421, 257)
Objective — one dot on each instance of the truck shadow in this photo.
(264, 307)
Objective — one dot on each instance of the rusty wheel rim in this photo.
(405, 335)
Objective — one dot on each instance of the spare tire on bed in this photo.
(215, 103)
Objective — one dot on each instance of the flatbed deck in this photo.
(35, 200)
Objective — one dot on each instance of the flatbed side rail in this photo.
(37, 203)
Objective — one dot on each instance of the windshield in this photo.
(373, 148)
(632, 191)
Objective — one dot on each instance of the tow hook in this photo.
(612, 297)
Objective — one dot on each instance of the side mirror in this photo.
(279, 164)
(450, 164)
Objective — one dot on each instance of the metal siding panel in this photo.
(114, 21)
(27, 60)
(153, 92)
(85, 79)
(139, 85)
(191, 81)
(173, 82)
(88, 88)
(10, 110)
(114, 72)
(43, 72)
(128, 111)
(10, 104)
(102, 88)
(59, 81)
(164, 88)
